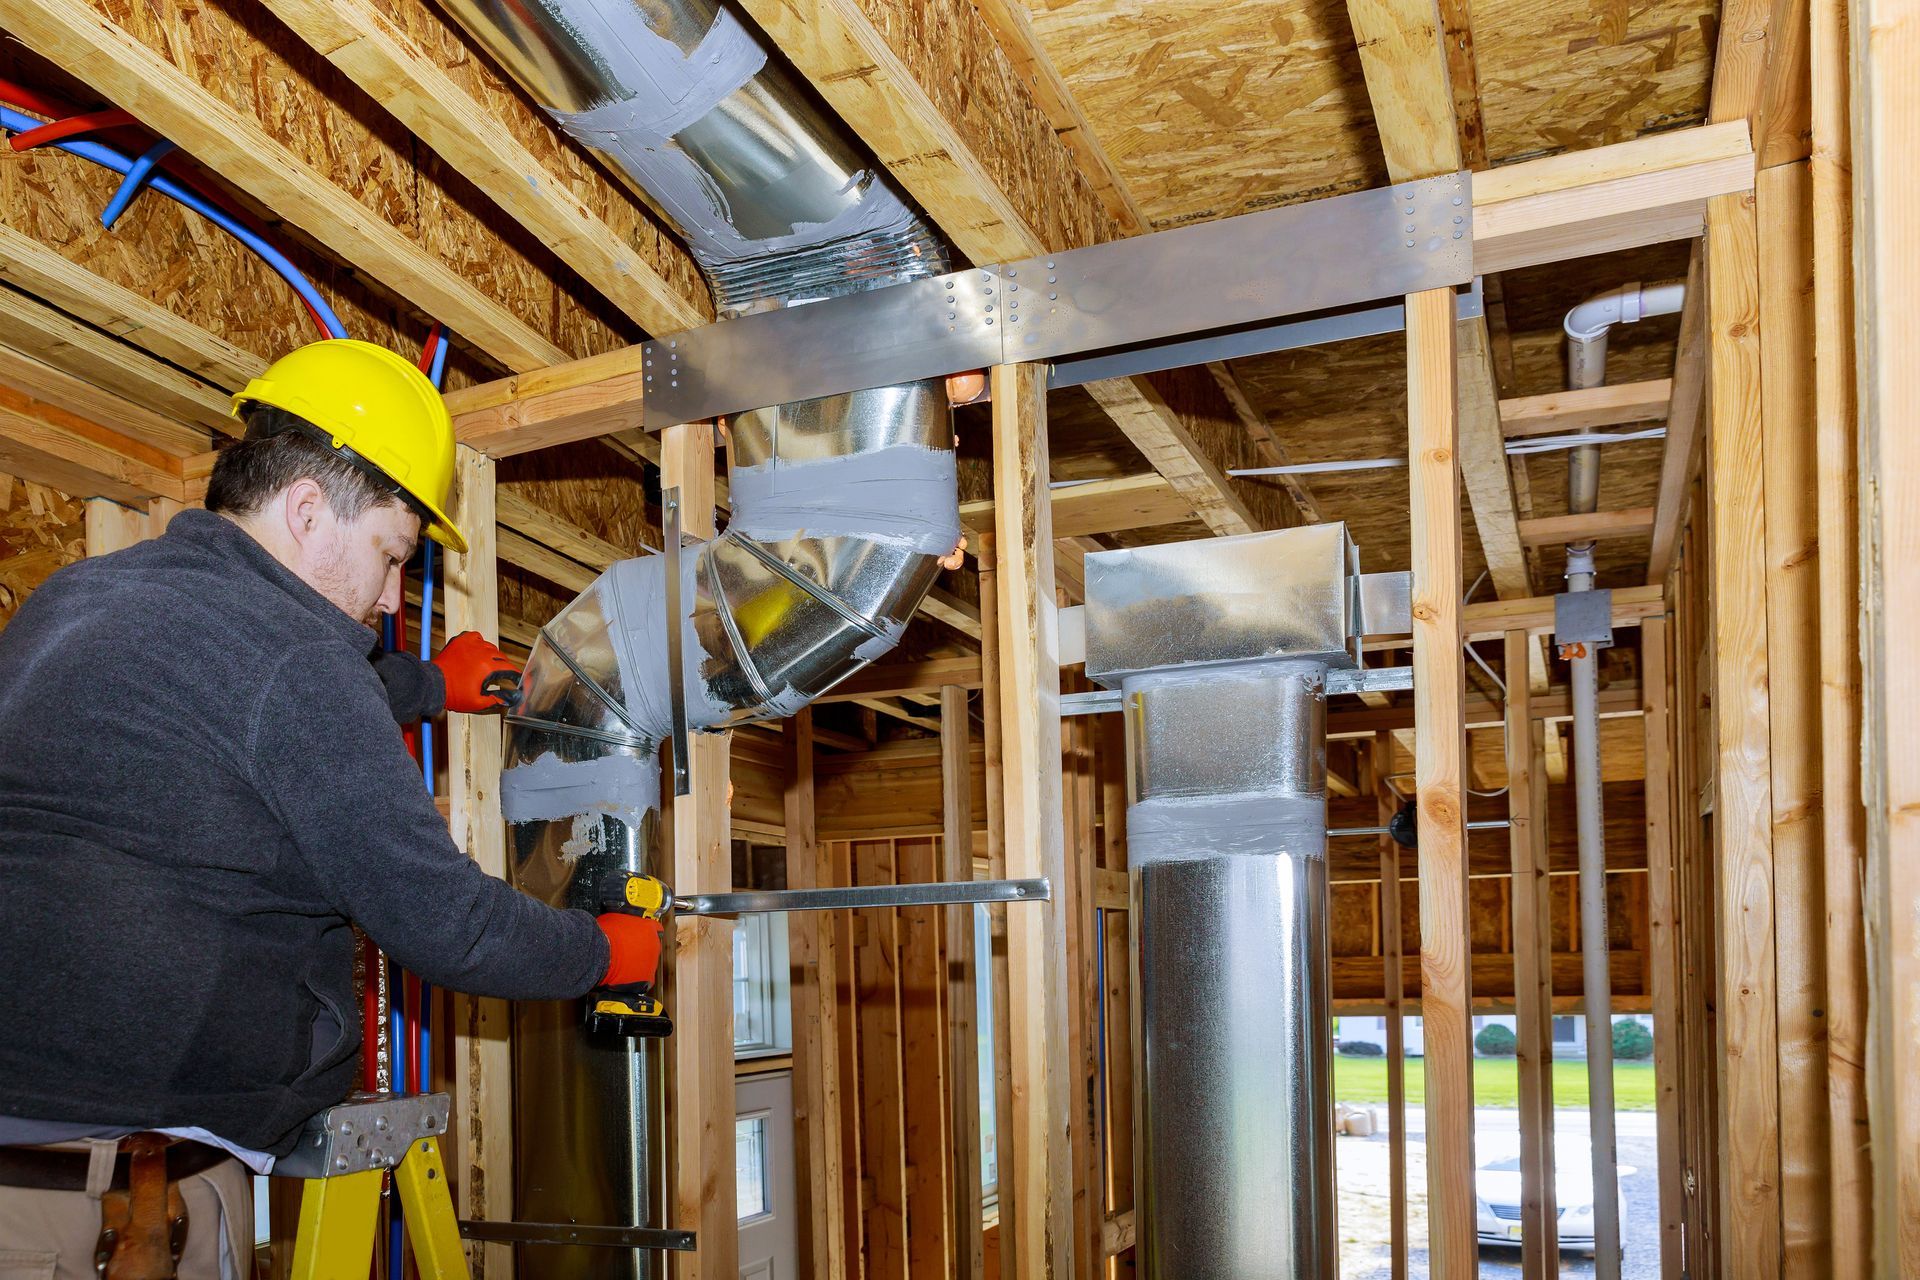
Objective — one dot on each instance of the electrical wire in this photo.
(108, 158)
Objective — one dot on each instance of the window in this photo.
(1565, 1030)
(762, 1014)
(750, 1165)
(983, 1018)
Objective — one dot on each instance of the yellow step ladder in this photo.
(344, 1156)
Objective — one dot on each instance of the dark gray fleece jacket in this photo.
(200, 786)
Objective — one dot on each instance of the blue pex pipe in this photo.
(108, 158)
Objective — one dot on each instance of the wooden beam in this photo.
(565, 537)
(1679, 454)
(1274, 454)
(83, 459)
(75, 35)
(1612, 406)
(358, 37)
(515, 548)
(1604, 199)
(577, 400)
(39, 270)
(965, 1261)
(993, 175)
(923, 981)
(1099, 506)
(703, 1196)
(1849, 1144)
(482, 1119)
(999, 969)
(37, 330)
(818, 1092)
(1663, 960)
(1532, 977)
(1439, 691)
(1886, 103)
(1743, 810)
(1487, 477)
(96, 404)
(1760, 76)
(891, 679)
(1035, 841)
(1493, 619)
(1636, 522)
(883, 1169)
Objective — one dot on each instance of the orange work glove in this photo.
(634, 943)
(480, 678)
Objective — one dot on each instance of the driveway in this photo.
(1361, 1171)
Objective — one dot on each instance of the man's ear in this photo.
(305, 505)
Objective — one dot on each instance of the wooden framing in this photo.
(1663, 972)
(1532, 976)
(1548, 530)
(1749, 1182)
(1440, 743)
(1886, 103)
(1042, 1243)
(818, 1093)
(1850, 1172)
(1380, 757)
(1609, 406)
(965, 1260)
(701, 1099)
(480, 1160)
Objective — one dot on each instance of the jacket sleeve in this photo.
(324, 752)
(415, 688)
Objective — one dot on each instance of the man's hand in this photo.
(480, 678)
(633, 946)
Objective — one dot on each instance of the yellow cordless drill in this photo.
(634, 908)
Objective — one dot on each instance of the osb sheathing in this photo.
(41, 529)
(1208, 110)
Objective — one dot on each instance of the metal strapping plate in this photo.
(1293, 261)
(369, 1131)
(1306, 257)
(574, 1233)
(1339, 680)
(937, 894)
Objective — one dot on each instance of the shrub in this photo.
(1494, 1041)
(1361, 1049)
(1631, 1040)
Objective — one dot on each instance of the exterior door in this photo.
(763, 1169)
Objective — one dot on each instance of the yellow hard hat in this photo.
(376, 407)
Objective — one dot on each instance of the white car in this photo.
(1497, 1187)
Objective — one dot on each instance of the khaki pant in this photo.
(50, 1235)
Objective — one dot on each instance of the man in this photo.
(201, 785)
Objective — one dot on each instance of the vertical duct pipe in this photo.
(842, 509)
(1221, 649)
(1226, 837)
(1587, 327)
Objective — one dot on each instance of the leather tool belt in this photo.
(143, 1218)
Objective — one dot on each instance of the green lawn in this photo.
(1495, 1082)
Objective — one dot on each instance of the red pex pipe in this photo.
(71, 126)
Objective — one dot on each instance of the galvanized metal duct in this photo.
(841, 509)
(1221, 649)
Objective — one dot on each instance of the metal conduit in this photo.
(841, 509)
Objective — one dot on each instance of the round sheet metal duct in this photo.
(841, 509)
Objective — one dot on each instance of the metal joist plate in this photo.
(1214, 276)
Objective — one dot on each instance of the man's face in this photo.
(356, 563)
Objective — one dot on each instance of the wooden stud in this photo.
(1850, 1172)
(883, 1173)
(963, 1047)
(78, 396)
(1492, 619)
(818, 1093)
(1886, 106)
(1678, 454)
(1000, 970)
(482, 1120)
(1029, 669)
(1790, 464)
(1743, 810)
(1439, 694)
(1663, 970)
(702, 1100)
(1635, 522)
(112, 527)
(1533, 1012)
(1392, 984)
(922, 1024)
